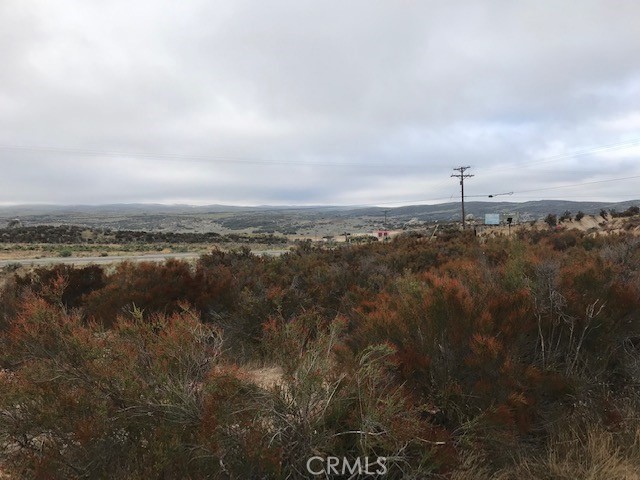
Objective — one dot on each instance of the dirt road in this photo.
(153, 257)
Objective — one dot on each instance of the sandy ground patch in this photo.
(265, 377)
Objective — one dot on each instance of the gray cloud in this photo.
(357, 102)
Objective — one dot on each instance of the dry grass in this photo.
(595, 455)
(266, 377)
(577, 449)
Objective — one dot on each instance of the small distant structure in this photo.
(492, 219)
(382, 235)
(501, 218)
(510, 218)
(15, 223)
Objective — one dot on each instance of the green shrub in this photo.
(551, 220)
(565, 216)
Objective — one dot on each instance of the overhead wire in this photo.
(261, 161)
(177, 156)
(570, 155)
(580, 184)
(516, 193)
(255, 161)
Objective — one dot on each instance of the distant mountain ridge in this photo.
(441, 211)
(527, 210)
(438, 211)
(313, 221)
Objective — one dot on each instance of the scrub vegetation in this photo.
(453, 357)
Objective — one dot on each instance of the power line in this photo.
(177, 156)
(462, 176)
(632, 197)
(556, 187)
(515, 193)
(439, 199)
(259, 161)
(415, 201)
(385, 217)
(579, 184)
(571, 155)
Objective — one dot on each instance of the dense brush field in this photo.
(457, 358)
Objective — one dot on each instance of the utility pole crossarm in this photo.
(461, 175)
(385, 218)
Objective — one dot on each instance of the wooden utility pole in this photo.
(385, 218)
(462, 176)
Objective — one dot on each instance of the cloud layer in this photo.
(362, 102)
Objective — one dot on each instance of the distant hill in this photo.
(284, 219)
(451, 211)
(117, 208)
(439, 211)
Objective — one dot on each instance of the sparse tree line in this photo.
(552, 219)
(456, 357)
(70, 234)
(629, 212)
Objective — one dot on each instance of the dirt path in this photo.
(152, 257)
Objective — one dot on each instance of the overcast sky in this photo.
(317, 102)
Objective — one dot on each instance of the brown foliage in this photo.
(416, 349)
